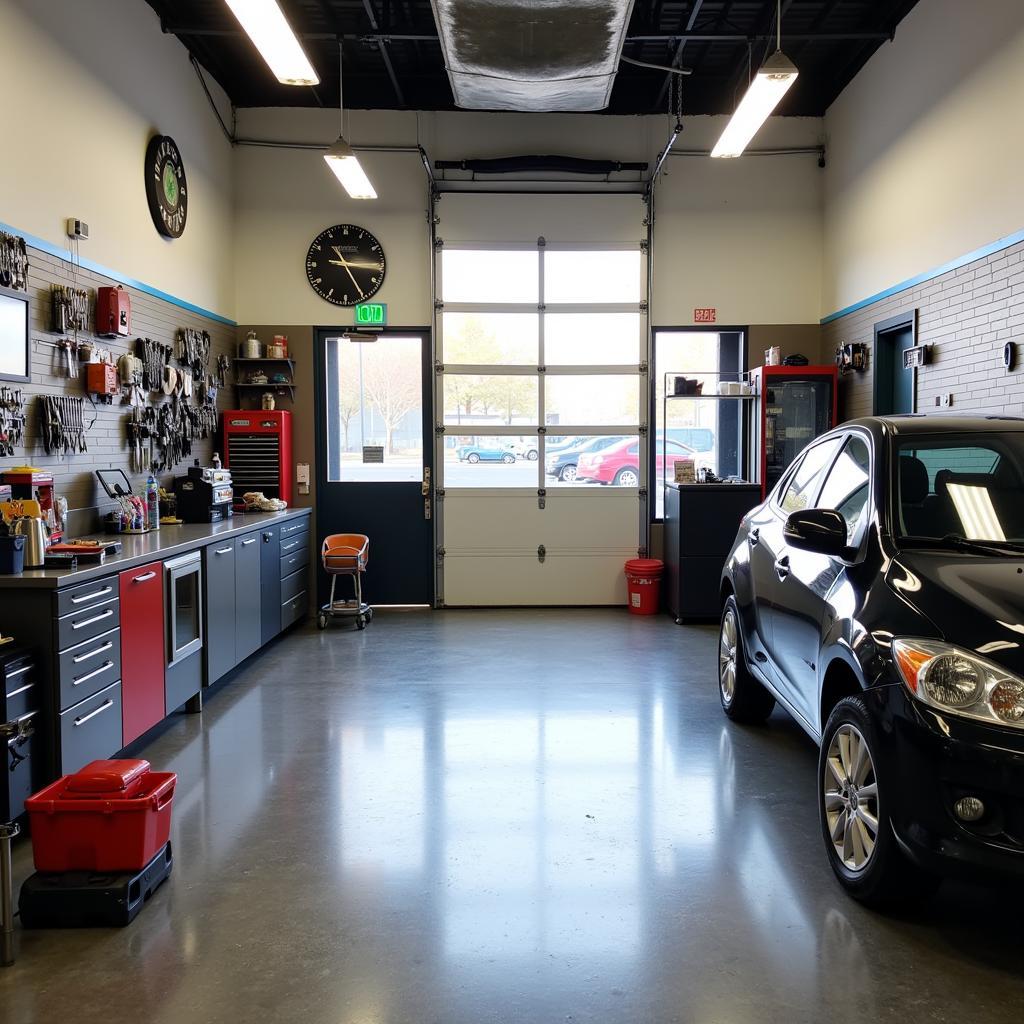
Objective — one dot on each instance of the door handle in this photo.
(754, 535)
(782, 567)
(142, 579)
(223, 551)
(245, 543)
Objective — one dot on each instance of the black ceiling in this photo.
(393, 60)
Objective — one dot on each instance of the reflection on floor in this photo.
(526, 816)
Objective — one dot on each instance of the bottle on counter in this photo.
(152, 503)
(216, 460)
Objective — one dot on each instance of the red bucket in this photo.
(643, 582)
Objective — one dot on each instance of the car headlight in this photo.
(952, 679)
(597, 460)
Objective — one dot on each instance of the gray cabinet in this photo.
(248, 604)
(219, 607)
(270, 584)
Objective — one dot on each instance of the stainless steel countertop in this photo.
(139, 548)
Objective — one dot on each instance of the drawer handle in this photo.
(223, 551)
(95, 618)
(92, 596)
(105, 706)
(27, 686)
(19, 671)
(78, 680)
(92, 654)
(142, 579)
(247, 542)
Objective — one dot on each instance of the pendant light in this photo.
(341, 158)
(770, 84)
(265, 24)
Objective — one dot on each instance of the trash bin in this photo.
(643, 581)
(12, 554)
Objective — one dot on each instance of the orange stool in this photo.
(346, 554)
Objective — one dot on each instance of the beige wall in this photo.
(88, 84)
(925, 149)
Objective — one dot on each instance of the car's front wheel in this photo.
(853, 804)
(531, 455)
(473, 457)
(743, 698)
(567, 474)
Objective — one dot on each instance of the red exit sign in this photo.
(705, 315)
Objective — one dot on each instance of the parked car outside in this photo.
(562, 464)
(474, 453)
(619, 464)
(523, 449)
(877, 595)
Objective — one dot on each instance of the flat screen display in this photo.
(13, 336)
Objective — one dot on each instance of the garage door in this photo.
(541, 398)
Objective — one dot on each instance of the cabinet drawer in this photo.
(86, 595)
(23, 692)
(295, 526)
(88, 667)
(293, 610)
(91, 729)
(295, 561)
(294, 584)
(89, 622)
(297, 542)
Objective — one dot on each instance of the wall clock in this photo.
(166, 190)
(345, 265)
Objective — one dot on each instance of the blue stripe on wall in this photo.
(65, 254)
(928, 275)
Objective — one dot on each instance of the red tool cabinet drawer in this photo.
(142, 648)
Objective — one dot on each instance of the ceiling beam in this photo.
(382, 47)
(676, 57)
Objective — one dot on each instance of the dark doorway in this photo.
(895, 387)
(374, 458)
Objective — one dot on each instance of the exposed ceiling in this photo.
(393, 58)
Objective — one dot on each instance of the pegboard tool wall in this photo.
(152, 317)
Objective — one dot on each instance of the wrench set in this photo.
(63, 424)
(12, 419)
(13, 262)
(69, 307)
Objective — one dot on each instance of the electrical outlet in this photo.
(944, 401)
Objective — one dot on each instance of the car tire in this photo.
(743, 698)
(531, 455)
(860, 844)
(628, 476)
(508, 459)
(567, 474)
(473, 457)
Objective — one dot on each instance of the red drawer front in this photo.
(142, 649)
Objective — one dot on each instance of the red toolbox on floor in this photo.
(112, 816)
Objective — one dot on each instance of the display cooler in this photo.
(258, 451)
(795, 405)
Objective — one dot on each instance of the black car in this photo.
(878, 595)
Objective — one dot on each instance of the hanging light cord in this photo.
(341, 90)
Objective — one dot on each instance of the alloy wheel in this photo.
(569, 474)
(627, 478)
(727, 657)
(851, 798)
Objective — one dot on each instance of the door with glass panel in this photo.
(373, 465)
(540, 451)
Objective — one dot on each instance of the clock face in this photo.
(345, 265)
(166, 189)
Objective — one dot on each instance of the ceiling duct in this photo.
(532, 55)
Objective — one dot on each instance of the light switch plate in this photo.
(302, 473)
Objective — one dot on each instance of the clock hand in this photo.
(354, 281)
(358, 266)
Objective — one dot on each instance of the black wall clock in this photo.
(166, 190)
(345, 265)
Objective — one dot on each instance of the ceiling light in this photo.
(770, 84)
(271, 34)
(343, 161)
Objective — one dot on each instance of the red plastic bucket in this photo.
(643, 583)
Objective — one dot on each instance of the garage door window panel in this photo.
(490, 339)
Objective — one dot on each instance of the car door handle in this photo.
(782, 567)
(754, 535)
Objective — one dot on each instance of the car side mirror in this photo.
(821, 530)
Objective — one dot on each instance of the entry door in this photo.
(894, 385)
(374, 459)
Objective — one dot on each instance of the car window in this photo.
(846, 487)
(803, 484)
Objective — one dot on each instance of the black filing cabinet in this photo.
(219, 608)
(701, 521)
(248, 604)
(270, 584)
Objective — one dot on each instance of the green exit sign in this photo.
(371, 314)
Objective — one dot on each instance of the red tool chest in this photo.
(142, 649)
(258, 451)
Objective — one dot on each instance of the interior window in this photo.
(846, 486)
(803, 484)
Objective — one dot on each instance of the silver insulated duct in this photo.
(532, 55)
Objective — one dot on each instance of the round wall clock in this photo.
(166, 190)
(345, 265)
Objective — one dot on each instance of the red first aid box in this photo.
(112, 816)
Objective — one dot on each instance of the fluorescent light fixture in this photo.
(343, 161)
(267, 27)
(770, 84)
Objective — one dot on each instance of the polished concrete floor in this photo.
(529, 816)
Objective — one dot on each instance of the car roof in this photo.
(947, 423)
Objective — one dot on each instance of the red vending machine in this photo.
(795, 405)
(258, 451)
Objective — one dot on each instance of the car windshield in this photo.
(957, 488)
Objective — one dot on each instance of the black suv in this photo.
(878, 595)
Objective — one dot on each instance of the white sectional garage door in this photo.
(541, 385)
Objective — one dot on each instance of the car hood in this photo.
(976, 602)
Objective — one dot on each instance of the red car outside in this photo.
(619, 464)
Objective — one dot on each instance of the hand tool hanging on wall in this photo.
(13, 262)
(223, 365)
(63, 424)
(12, 419)
(193, 350)
(69, 308)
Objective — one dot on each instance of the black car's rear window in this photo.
(968, 485)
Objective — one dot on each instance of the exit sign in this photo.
(705, 315)
(371, 314)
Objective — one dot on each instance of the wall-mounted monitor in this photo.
(14, 335)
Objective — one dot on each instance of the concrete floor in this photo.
(528, 816)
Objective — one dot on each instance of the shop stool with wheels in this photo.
(346, 554)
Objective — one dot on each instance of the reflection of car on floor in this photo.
(619, 464)
(876, 595)
(523, 449)
(562, 464)
(480, 453)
